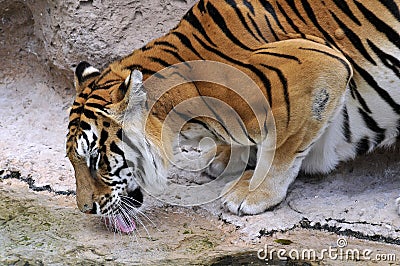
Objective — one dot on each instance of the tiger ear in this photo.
(84, 72)
(134, 95)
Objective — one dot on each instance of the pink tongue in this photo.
(120, 224)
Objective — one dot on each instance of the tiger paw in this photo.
(241, 201)
(228, 160)
(216, 167)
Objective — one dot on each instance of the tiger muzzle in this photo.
(87, 188)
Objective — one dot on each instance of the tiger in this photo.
(328, 69)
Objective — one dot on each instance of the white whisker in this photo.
(128, 221)
(131, 212)
(127, 201)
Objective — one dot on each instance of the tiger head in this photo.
(108, 155)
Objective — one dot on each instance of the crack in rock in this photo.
(11, 174)
(307, 224)
(337, 229)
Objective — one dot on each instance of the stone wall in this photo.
(63, 33)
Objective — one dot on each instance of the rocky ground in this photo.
(350, 209)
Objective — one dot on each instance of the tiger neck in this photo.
(146, 155)
(150, 59)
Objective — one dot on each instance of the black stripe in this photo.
(362, 146)
(89, 114)
(270, 28)
(95, 87)
(270, 9)
(354, 39)
(286, 56)
(249, 6)
(119, 134)
(177, 56)
(74, 122)
(83, 95)
(265, 124)
(352, 87)
(93, 142)
(105, 86)
(358, 97)
(330, 55)
(77, 110)
(294, 8)
(220, 22)
(392, 7)
(184, 116)
(115, 183)
(244, 129)
(380, 25)
(283, 80)
(371, 82)
(115, 149)
(113, 81)
(166, 44)
(105, 160)
(191, 18)
(86, 138)
(145, 71)
(313, 18)
(98, 97)
(372, 125)
(117, 171)
(255, 26)
(103, 137)
(203, 124)
(122, 136)
(146, 47)
(104, 74)
(388, 60)
(288, 19)
(159, 61)
(263, 78)
(92, 85)
(95, 105)
(186, 42)
(201, 7)
(189, 119)
(346, 125)
(92, 166)
(242, 19)
(218, 118)
(344, 7)
(85, 126)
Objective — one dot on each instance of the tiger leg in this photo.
(240, 198)
(320, 85)
(217, 157)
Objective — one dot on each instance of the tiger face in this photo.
(105, 163)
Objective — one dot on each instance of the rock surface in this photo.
(41, 42)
